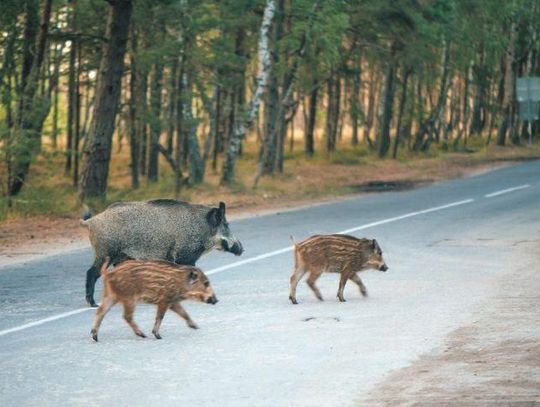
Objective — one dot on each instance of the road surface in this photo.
(459, 253)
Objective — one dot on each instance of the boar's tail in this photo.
(105, 267)
(85, 216)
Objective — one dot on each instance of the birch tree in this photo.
(263, 71)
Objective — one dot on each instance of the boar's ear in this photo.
(221, 210)
(192, 276)
(374, 244)
(216, 215)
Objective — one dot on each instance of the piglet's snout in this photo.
(212, 300)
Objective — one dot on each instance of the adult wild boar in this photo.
(161, 229)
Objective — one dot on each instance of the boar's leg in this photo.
(296, 276)
(106, 304)
(160, 313)
(182, 312)
(354, 278)
(92, 274)
(129, 308)
(342, 281)
(311, 283)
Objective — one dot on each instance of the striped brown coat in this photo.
(342, 254)
(153, 282)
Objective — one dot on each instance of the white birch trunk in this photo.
(243, 124)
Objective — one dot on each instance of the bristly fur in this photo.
(161, 229)
(335, 253)
(154, 282)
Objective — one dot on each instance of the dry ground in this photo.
(493, 361)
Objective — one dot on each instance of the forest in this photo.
(186, 88)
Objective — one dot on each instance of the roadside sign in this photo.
(528, 96)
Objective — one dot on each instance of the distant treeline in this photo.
(186, 80)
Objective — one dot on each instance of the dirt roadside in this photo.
(493, 361)
(24, 239)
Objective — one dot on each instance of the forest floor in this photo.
(44, 219)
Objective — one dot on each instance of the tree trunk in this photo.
(389, 90)
(427, 127)
(355, 98)
(172, 105)
(155, 121)
(134, 136)
(332, 112)
(196, 164)
(58, 50)
(97, 155)
(77, 128)
(31, 26)
(179, 148)
(465, 109)
(269, 148)
(33, 109)
(70, 125)
(372, 102)
(508, 99)
(217, 121)
(243, 124)
(312, 116)
(402, 103)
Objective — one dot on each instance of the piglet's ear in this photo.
(192, 276)
(374, 244)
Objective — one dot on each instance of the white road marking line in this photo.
(505, 191)
(368, 225)
(251, 260)
(44, 321)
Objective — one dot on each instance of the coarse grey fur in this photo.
(161, 229)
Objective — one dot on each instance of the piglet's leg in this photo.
(104, 307)
(359, 283)
(182, 312)
(161, 309)
(297, 274)
(311, 283)
(129, 308)
(342, 281)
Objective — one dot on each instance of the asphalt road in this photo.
(448, 246)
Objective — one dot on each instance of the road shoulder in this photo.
(495, 360)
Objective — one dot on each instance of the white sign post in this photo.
(528, 96)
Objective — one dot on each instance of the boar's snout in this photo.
(212, 300)
(237, 248)
(234, 247)
(384, 267)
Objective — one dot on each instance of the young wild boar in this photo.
(153, 282)
(161, 229)
(343, 254)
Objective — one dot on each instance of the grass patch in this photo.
(49, 190)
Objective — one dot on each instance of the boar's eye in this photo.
(207, 283)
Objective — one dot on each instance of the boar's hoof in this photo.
(193, 325)
(94, 335)
(341, 299)
(157, 335)
(91, 302)
(141, 334)
(293, 300)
